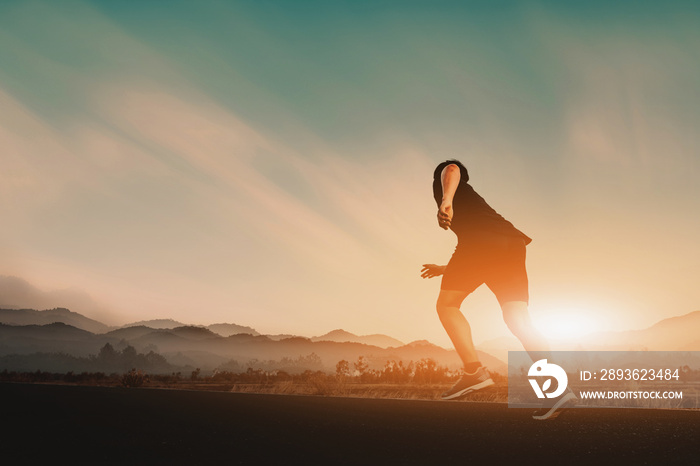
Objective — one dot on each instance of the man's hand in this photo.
(444, 215)
(432, 270)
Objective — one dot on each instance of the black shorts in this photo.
(497, 260)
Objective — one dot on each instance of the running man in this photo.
(489, 250)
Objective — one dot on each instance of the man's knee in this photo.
(449, 301)
(443, 308)
(517, 317)
(516, 326)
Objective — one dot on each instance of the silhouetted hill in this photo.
(339, 335)
(223, 329)
(290, 339)
(284, 336)
(205, 349)
(156, 323)
(499, 347)
(674, 332)
(161, 339)
(17, 293)
(678, 333)
(49, 316)
(226, 330)
(691, 347)
(52, 338)
(53, 331)
(424, 349)
(130, 333)
(245, 337)
(195, 333)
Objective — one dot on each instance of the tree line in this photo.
(423, 371)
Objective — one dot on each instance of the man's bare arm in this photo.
(449, 177)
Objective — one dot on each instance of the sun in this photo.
(570, 324)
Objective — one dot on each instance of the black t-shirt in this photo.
(473, 217)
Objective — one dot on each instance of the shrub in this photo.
(134, 378)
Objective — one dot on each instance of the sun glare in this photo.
(568, 324)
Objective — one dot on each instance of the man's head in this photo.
(463, 174)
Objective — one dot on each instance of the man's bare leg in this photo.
(517, 318)
(456, 325)
(475, 377)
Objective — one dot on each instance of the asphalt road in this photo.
(94, 425)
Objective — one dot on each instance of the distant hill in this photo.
(342, 336)
(156, 323)
(207, 350)
(17, 293)
(51, 338)
(56, 331)
(678, 333)
(28, 331)
(226, 330)
(33, 317)
(129, 333)
(223, 329)
(421, 349)
(284, 336)
(194, 333)
(499, 347)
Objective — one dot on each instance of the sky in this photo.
(269, 163)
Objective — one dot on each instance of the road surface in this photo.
(98, 425)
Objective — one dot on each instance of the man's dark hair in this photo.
(437, 182)
(463, 173)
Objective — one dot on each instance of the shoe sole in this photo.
(566, 401)
(465, 391)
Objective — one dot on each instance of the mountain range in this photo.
(34, 317)
(679, 333)
(379, 340)
(27, 331)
